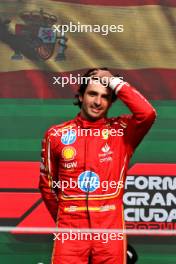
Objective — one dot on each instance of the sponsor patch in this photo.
(68, 153)
(88, 181)
(105, 134)
(69, 137)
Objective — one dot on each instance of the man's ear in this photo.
(80, 98)
(110, 104)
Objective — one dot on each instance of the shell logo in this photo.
(68, 153)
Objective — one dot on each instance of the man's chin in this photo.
(95, 116)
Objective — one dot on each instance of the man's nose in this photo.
(97, 100)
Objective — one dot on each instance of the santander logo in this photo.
(106, 148)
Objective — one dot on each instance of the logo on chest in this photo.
(88, 181)
(70, 165)
(68, 153)
(106, 155)
(69, 137)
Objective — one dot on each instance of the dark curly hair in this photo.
(84, 83)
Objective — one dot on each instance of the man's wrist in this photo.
(116, 84)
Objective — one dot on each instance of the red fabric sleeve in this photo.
(48, 174)
(142, 118)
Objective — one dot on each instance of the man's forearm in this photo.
(136, 102)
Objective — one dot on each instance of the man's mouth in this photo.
(95, 110)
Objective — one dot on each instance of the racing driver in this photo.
(91, 159)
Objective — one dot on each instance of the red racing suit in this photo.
(95, 155)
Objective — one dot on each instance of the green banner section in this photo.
(24, 121)
(32, 249)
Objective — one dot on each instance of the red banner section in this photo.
(149, 197)
(15, 205)
(19, 175)
(155, 84)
